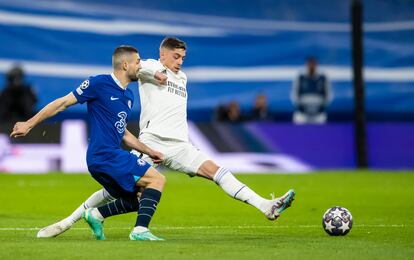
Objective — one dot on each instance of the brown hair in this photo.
(173, 43)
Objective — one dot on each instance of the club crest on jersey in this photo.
(141, 162)
(129, 104)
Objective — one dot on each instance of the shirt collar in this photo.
(117, 81)
(177, 75)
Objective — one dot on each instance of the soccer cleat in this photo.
(280, 204)
(54, 229)
(144, 236)
(95, 224)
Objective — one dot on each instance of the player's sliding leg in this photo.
(98, 198)
(95, 216)
(154, 183)
(237, 190)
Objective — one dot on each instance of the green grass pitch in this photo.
(199, 221)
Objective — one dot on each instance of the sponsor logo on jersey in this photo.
(121, 123)
(114, 98)
(176, 89)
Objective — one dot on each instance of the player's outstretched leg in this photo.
(95, 222)
(98, 198)
(95, 216)
(280, 204)
(237, 190)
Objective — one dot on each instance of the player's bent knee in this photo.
(153, 179)
(208, 169)
(160, 179)
(158, 182)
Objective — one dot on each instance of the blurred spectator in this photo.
(229, 113)
(17, 100)
(311, 94)
(233, 113)
(260, 110)
(221, 113)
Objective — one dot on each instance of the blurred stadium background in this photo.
(235, 52)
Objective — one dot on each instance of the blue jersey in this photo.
(109, 107)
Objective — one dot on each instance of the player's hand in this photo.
(20, 129)
(156, 156)
(160, 78)
(139, 192)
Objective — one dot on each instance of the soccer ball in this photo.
(337, 221)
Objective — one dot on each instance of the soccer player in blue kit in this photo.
(120, 172)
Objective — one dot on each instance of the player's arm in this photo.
(132, 142)
(153, 70)
(160, 78)
(51, 109)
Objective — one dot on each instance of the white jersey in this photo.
(163, 107)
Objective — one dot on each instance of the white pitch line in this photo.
(222, 227)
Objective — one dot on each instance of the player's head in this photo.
(311, 64)
(172, 53)
(126, 58)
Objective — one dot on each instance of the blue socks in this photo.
(148, 205)
(119, 206)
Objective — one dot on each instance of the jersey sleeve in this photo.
(86, 91)
(149, 68)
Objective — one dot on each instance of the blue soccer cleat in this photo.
(95, 224)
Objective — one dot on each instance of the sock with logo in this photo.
(148, 205)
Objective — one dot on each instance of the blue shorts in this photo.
(120, 173)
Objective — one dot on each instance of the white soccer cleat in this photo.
(54, 229)
(278, 205)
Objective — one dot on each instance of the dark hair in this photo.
(15, 73)
(173, 43)
(119, 52)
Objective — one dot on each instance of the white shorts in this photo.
(178, 155)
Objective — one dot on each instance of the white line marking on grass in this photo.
(222, 227)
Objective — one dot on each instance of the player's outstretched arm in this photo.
(51, 109)
(132, 142)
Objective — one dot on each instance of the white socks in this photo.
(234, 188)
(96, 214)
(97, 199)
(139, 229)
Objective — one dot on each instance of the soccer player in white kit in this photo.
(163, 127)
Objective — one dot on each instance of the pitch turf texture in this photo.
(199, 221)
